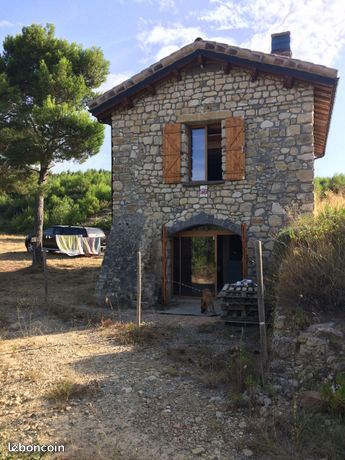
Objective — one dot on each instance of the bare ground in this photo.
(134, 401)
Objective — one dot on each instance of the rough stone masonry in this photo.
(279, 149)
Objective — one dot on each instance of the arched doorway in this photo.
(202, 252)
(205, 257)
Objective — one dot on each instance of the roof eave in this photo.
(335, 86)
(101, 110)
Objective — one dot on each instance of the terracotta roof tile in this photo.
(296, 68)
(285, 62)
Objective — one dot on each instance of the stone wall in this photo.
(279, 169)
(304, 359)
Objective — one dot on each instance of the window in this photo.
(206, 153)
(198, 153)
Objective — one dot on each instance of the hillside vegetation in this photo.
(335, 184)
(71, 198)
(311, 253)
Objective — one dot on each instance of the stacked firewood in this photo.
(239, 301)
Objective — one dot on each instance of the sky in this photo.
(133, 34)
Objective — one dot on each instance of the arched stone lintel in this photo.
(202, 219)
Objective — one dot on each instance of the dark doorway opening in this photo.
(204, 258)
(229, 264)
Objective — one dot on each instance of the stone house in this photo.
(212, 148)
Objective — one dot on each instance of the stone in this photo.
(312, 401)
(278, 209)
(293, 130)
(198, 451)
(283, 347)
(305, 117)
(247, 453)
(216, 399)
(266, 124)
(275, 221)
(325, 329)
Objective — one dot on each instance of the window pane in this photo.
(198, 154)
(214, 153)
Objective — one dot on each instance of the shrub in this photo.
(335, 395)
(65, 389)
(311, 258)
(298, 435)
(243, 371)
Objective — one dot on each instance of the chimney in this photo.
(281, 44)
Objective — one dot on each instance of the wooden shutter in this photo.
(172, 153)
(244, 251)
(234, 148)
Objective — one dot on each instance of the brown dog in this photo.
(207, 302)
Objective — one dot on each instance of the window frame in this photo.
(204, 126)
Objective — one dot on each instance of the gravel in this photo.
(141, 409)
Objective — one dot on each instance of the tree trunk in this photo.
(37, 255)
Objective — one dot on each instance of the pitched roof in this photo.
(324, 79)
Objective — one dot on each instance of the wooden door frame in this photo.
(244, 251)
(197, 233)
(164, 265)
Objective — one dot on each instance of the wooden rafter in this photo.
(151, 89)
(288, 82)
(128, 103)
(254, 73)
(177, 74)
(227, 68)
(201, 61)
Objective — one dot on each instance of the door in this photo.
(229, 259)
(205, 259)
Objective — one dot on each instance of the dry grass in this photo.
(71, 280)
(331, 200)
(32, 375)
(236, 368)
(66, 389)
(131, 334)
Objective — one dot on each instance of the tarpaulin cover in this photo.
(91, 245)
(75, 245)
